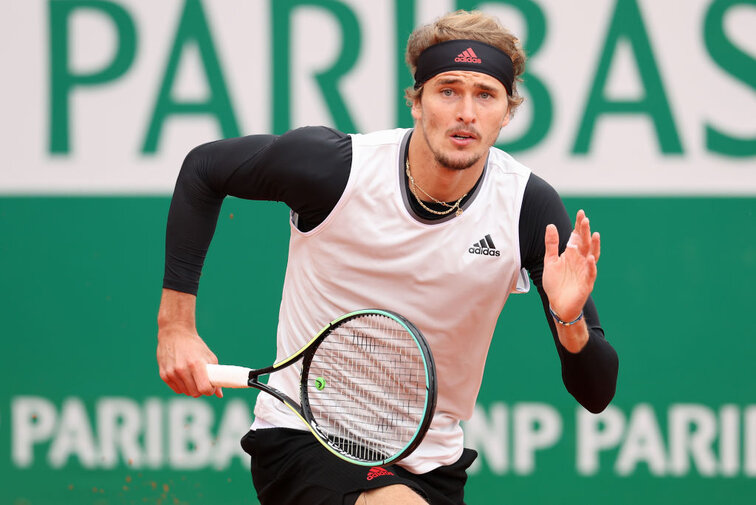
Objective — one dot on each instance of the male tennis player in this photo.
(432, 222)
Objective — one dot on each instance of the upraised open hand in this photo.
(568, 278)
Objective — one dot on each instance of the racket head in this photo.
(368, 387)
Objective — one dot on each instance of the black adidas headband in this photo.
(461, 54)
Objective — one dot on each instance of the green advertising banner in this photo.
(641, 112)
(84, 417)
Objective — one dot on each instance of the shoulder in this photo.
(539, 192)
(309, 146)
(542, 205)
(504, 162)
(313, 137)
(381, 137)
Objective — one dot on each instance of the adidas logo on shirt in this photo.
(468, 56)
(485, 247)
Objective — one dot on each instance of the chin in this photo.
(455, 162)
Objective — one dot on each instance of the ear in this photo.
(506, 118)
(417, 109)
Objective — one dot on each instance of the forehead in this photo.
(465, 78)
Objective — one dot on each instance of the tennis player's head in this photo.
(466, 66)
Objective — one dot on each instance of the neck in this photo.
(441, 182)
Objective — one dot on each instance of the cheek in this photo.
(495, 130)
(430, 119)
(433, 117)
(496, 122)
(426, 122)
(433, 112)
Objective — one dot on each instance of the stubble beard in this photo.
(455, 164)
(449, 162)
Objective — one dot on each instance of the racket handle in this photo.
(228, 376)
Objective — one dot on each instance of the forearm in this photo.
(591, 374)
(590, 368)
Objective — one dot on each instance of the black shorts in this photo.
(290, 467)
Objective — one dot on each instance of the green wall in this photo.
(81, 282)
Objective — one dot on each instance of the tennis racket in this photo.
(367, 388)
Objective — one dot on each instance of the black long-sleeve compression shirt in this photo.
(308, 169)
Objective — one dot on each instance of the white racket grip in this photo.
(228, 376)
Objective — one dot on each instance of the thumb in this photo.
(551, 240)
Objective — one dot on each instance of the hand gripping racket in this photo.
(367, 388)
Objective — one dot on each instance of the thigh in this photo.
(446, 484)
(390, 495)
(290, 467)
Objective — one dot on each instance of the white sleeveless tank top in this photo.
(451, 278)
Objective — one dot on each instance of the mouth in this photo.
(462, 138)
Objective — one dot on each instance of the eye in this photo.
(485, 95)
(447, 92)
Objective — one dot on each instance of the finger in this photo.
(579, 218)
(585, 237)
(217, 391)
(168, 379)
(551, 241)
(596, 245)
(592, 270)
(576, 237)
(181, 387)
(574, 240)
(190, 386)
(199, 373)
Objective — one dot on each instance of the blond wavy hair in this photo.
(470, 25)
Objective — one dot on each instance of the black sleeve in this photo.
(307, 169)
(591, 374)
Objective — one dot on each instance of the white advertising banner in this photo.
(636, 97)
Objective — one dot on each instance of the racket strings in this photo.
(372, 391)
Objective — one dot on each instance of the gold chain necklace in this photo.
(414, 187)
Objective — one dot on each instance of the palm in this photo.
(568, 278)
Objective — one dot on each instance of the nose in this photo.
(466, 110)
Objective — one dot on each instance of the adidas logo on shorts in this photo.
(377, 471)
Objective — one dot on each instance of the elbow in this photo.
(598, 406)
(195, 161)
(596, 400)
(196, 178)
(596, 392)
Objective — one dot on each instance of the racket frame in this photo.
(430, 381)
(302, 409)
